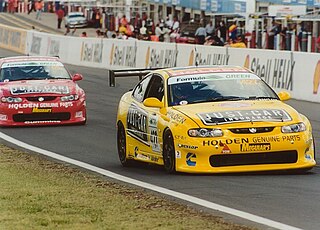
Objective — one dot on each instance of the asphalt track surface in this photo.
(292, 199)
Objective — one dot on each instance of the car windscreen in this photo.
(190, 89)
(76, 16)
(33, 70)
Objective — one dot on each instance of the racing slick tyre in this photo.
(122, 145)
(169, 160)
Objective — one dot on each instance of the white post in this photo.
(127, 10)
(293, 41)
(263, 40)
(278, 42)
(309, 42)
(103, 21)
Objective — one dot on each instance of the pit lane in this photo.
(289, 199)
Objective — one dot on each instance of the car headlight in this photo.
(11, 99)
(205, 132)
(295, 128)
(70, 97)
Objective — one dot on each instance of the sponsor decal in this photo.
(316, 78)
(53, 47)
(35, 44)
(3, 117)
(225, 142)
(225, 149)
(198, 58)
(191, 159)
(178, 154)
(137, 123)
(157, 57)
(154, 158)
(205, 71)
(266, 139)
(235, 105)
(91, 52)
(176, 117)
(123, 56)
(247, 147)
(154, 135)
(31, 63)
(41, 105)
(246, 62)
(61, 89)
(187, 146)
(41, 122)
(244, 115)
(291, 138)
(13, 39)
(179, 137)
(212, 76)
(142, 157)
(277, 72)
(239, 76)
(39, 110)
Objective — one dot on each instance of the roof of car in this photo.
(75, 13)
(28, 58)
(190, 70)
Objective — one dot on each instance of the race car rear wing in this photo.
(113, 74)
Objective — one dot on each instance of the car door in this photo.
(155, 89)
(143, 121)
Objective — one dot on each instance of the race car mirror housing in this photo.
(77, 77)
(284, 96)
(153, 102)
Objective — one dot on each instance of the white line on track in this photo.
(182, 196)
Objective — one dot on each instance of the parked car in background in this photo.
(187, 33)
(76, 19)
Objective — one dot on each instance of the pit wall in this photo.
(295, 72)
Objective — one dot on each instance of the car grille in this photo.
(247, 130)
(45, 98)
(41, 117)
(281, 157)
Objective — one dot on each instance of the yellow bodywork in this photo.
(233, 152)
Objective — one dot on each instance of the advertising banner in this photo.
(13, 39)
(120, 53)
(306, 76)
(274, 67)
(156, 54)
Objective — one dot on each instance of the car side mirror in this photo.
(284, 96)
(77, 77)
(153, 102)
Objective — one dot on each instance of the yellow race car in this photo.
(212, 119)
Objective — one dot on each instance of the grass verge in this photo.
(39, 194)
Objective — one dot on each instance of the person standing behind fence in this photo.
(60, 16)
(38, 6)
(31, 6)
(233, 30)
(209, 28)
(200, 34)
(222, 31)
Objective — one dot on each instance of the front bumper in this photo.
(245, 154)
(45, 113)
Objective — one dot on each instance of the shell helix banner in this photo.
(294, 72)
(156, 54)
(275, 68)
(13, 39)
